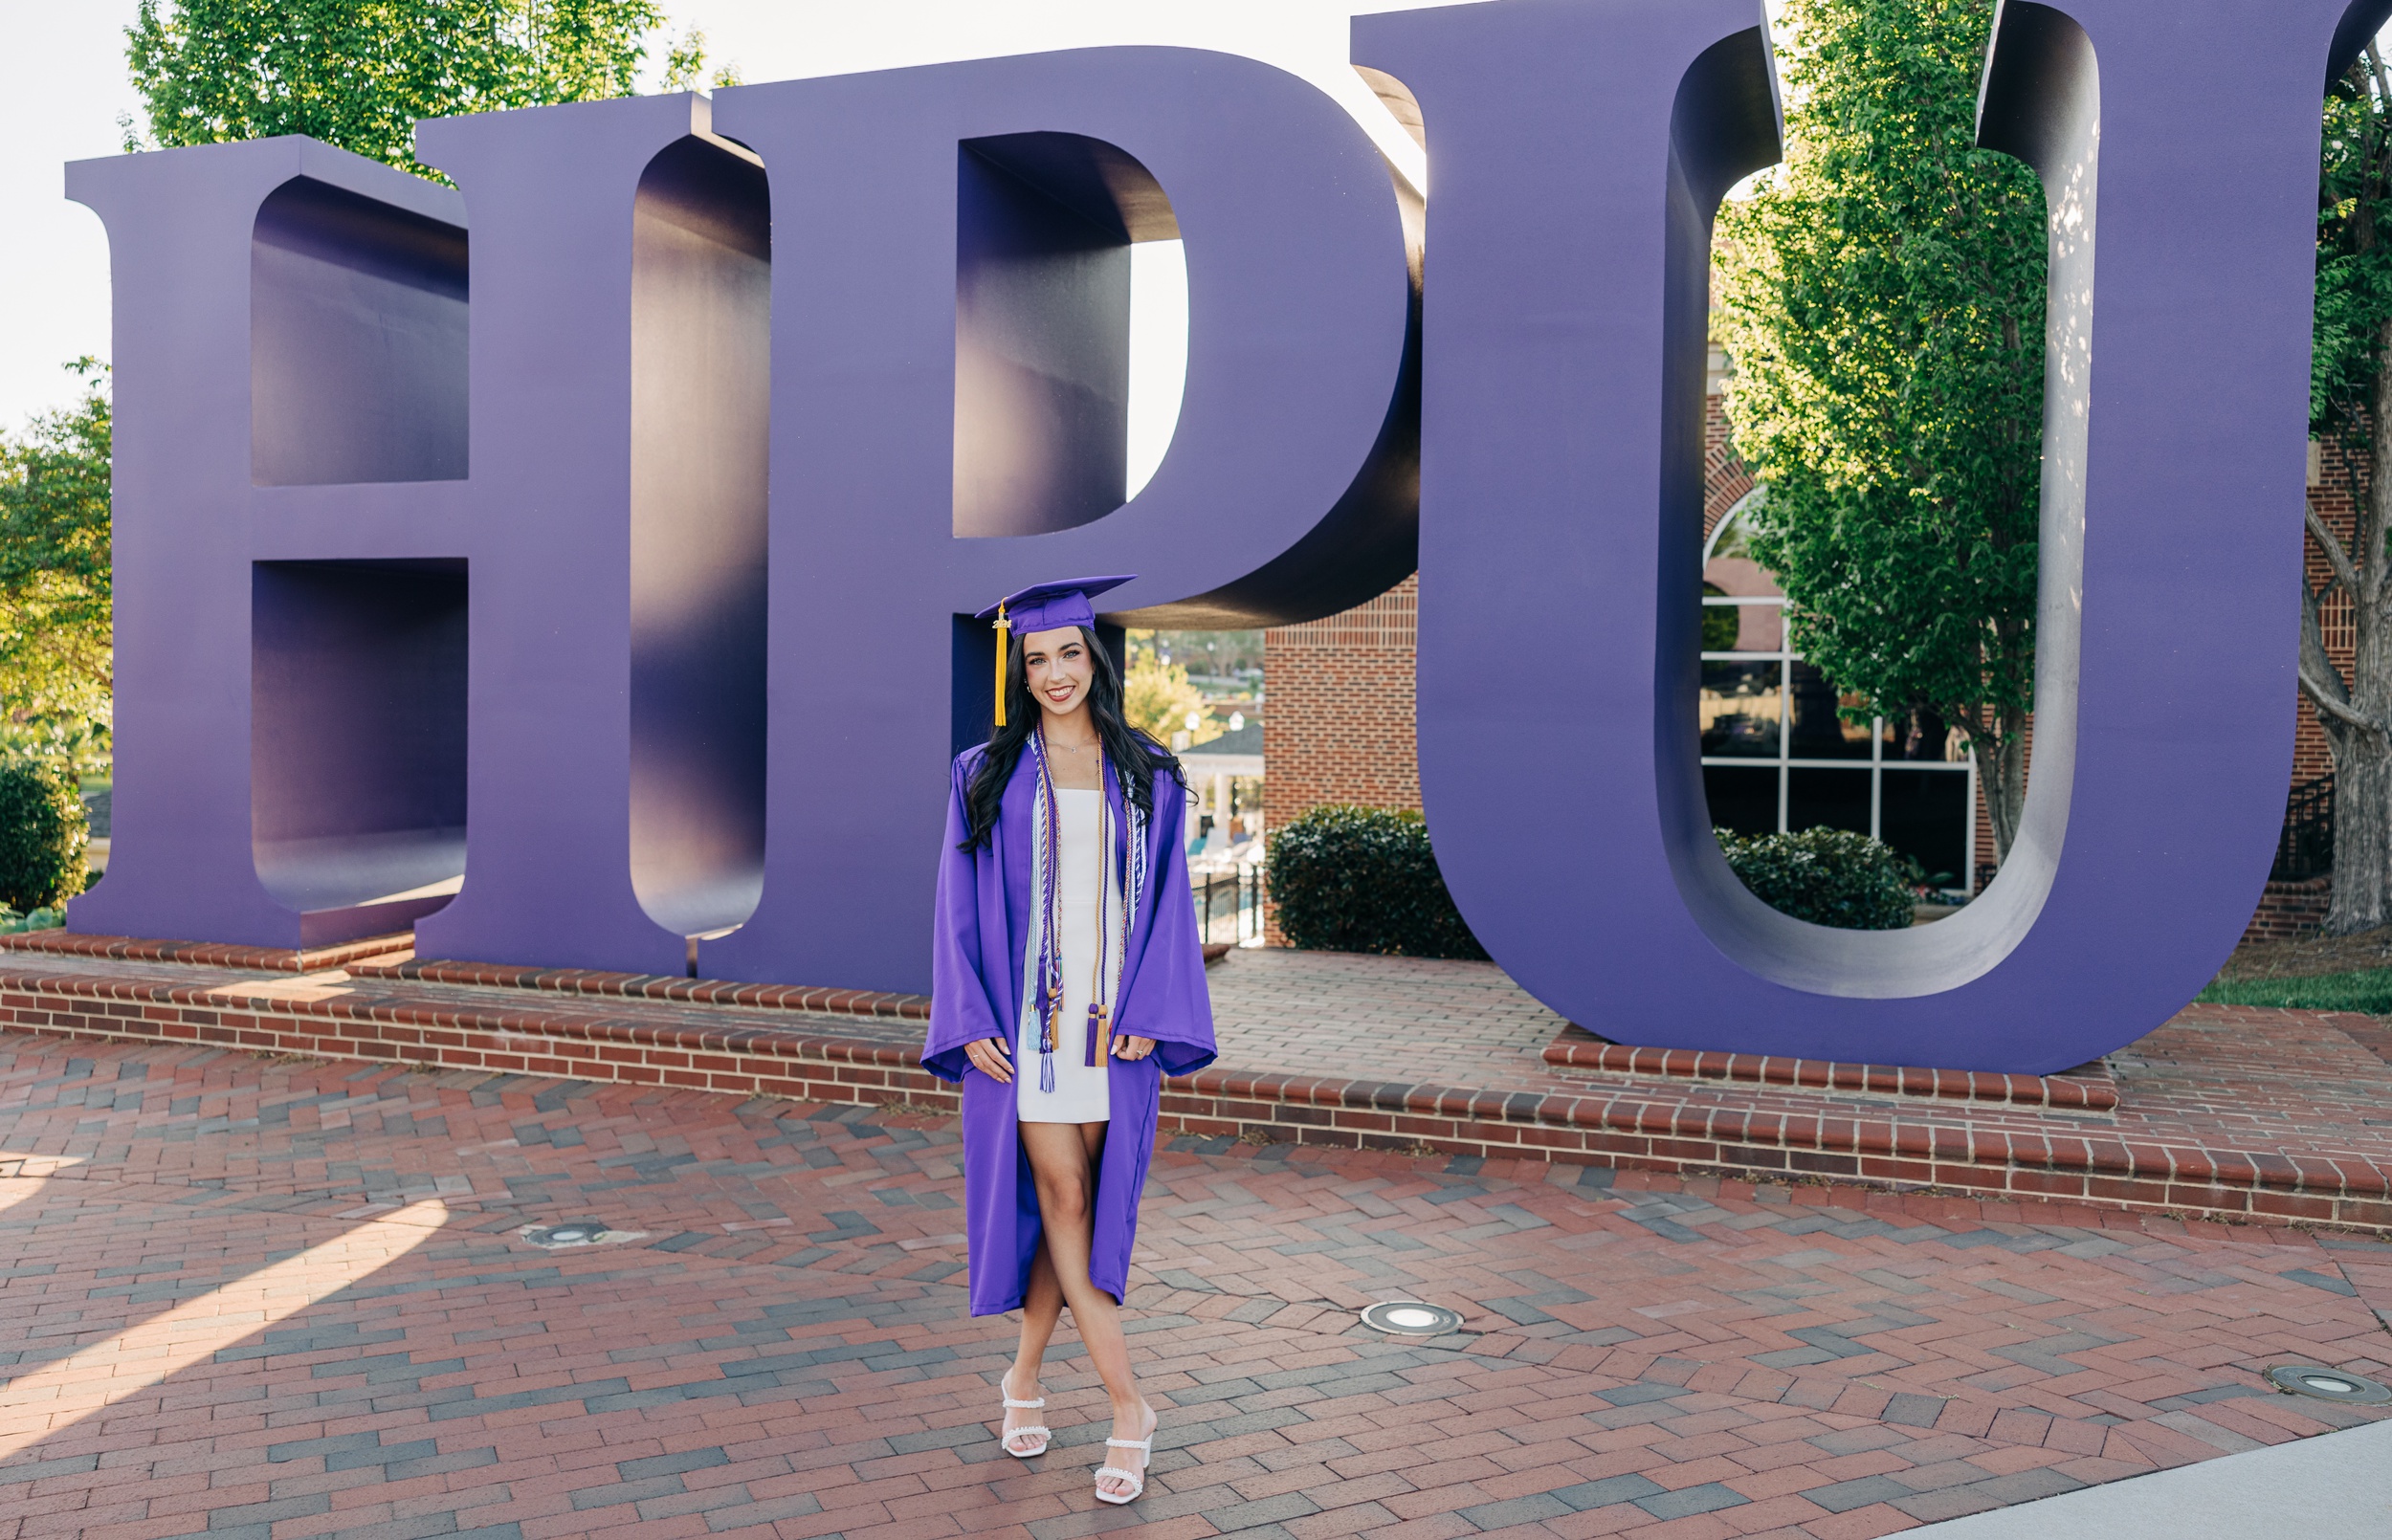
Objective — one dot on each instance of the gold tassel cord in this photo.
(1004, 644)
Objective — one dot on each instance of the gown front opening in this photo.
(1082, 1090)
(988, 899)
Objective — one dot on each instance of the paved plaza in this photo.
(255, 1298)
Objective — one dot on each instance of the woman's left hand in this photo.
(1130, 1047)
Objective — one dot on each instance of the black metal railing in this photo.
(2305, 848)
(1228, 904)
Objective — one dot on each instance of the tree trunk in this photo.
(2362, 833)
(2001, 759)
(2354, 723)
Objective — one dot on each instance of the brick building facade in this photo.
(1339, 727)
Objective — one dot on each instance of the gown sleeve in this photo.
(962, 1006)
(1168, 999)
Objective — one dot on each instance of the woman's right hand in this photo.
(989, 1057)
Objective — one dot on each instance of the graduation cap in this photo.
(1043, 607)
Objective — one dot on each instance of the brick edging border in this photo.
(1575, 1047)
(655, 986)
(1890, 1151)
(206, 953)
(666, 987)
(1630, 1127)
(259, 1019)
(366, 960)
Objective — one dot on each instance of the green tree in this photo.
(55, 652)
(1882, 295)
(2350, 405)
(1157, 696)
(359, 73)
(686, 65)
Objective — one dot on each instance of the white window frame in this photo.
(1785, 657)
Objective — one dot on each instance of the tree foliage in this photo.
(43, 836)
(2354, 251)
(55, 652)
(1158, 697)
(2350, 406)
(1882, 296)
(359, 73)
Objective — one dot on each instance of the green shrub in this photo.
(42, 835)
(1360, 879)
(1826, 877)
(13, 923)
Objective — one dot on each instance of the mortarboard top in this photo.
(1043, 607)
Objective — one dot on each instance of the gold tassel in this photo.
(1004, 643)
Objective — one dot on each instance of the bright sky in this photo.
(62, 86)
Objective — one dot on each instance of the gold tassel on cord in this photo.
(1004, 644)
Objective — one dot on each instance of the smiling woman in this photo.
(1065, 940)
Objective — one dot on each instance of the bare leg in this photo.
(1042, 1306)
(1062, 1157)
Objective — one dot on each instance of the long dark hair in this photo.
(1127, 747)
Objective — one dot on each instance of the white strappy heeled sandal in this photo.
(1005, 1435)
(1137, 1479)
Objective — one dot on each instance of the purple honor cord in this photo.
(1044, 848)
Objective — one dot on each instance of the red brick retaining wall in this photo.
(1683, 1128)
(1653, 1130)
(206, 953)
(543, 1037)
(650, 986)
(1577, 1048)
(2288, 910)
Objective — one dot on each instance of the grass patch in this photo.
(2368, 990)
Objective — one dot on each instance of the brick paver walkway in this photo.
(783, 1350)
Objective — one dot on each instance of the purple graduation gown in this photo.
(984, 922)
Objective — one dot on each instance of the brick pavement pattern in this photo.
(780, 1348)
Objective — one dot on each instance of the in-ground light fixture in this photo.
(1410, 1318)
(2328, 1385)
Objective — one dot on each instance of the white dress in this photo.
(1082, 1092)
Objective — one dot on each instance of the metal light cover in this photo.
(1410, 1318)
(2328, 1385)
